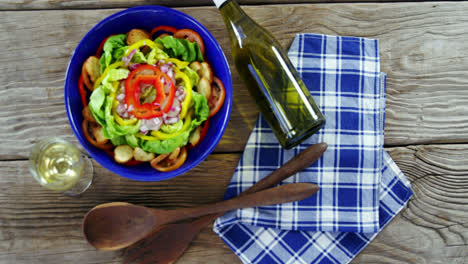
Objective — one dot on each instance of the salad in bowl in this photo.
(148, 96)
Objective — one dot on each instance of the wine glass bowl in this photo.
(58, 165)
(146, 17)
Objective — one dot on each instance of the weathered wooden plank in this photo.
(423, 49)
(39, 224)
(88, 4)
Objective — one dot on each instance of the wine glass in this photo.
(58, 165)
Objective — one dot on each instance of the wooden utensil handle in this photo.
(283, 194)
(298, 163)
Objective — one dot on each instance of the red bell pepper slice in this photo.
(82, 91)
(132, 90)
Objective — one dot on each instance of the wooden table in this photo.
(423, 48)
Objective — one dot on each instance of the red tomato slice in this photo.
(106, 146)
(163, 29)
(85, 78)
(192, 36)
(204, 130)
(217, 96)
(164, 166)
(132, 162)
(82, 91)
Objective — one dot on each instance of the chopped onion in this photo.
(121, 110)
(180, 93)
(171, 120)
(170, 73)
(151, 124)
(120, 97)
(164, 68)
(129, 57)
(175, 109)
(133, 66)
(130, 108)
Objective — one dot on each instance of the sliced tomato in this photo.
(205, 127)
(218, 93)
(170, 165)
(204, 130)
(82, 91)
(85, 79)
(132, 162)
(191, 36)
(85, 126)
(163, 29)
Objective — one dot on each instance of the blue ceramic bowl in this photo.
(146, 17)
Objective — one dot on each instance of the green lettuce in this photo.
(96, 105)
(181, 48)
(170, 129)
(192, 75)
(114, 44)
(155, 55)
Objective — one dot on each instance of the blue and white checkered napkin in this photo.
(361, 187)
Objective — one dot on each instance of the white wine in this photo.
(56, 164)
(271, 79)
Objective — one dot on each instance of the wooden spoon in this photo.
(167, 244)
(117, 225)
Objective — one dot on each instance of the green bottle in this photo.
(265, 69)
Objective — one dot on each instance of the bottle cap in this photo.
(219, 3)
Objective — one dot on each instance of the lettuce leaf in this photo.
(172, 128)
(139, 57)
(192, 75)
(113, 43)
(181, 48)
(155, 55)
(96, 105)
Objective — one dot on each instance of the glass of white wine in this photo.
(58, 165)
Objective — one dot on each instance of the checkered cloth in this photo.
(361, 188)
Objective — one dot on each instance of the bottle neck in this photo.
(230, 10)
(220, 3)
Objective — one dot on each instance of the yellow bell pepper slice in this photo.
(188, 91)
(158, 135)
(104, 74)
(141, 43)
(122, 121)
(180, 64)
(164, 136)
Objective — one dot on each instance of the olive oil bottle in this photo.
(265, 69)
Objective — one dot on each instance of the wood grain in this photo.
(423, 50)
(37, 224)
(90, 4)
